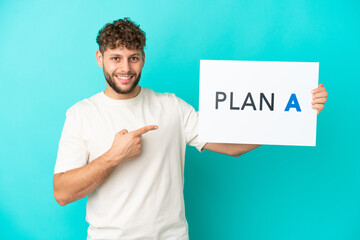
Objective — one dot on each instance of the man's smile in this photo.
(123, 78)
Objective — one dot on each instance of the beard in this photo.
(111, 81)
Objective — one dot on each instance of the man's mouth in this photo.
(123, 78)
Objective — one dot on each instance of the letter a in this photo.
(293, 103)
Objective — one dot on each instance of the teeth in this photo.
(123, 78)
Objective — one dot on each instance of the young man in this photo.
(125, 147)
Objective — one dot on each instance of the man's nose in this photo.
(124, 66)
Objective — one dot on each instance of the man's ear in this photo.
(99, 58)
(143, 57)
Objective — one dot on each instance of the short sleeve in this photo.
(72, 152)
(190, 121)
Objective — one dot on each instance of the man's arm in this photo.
(78, 183)
(319, 99)
(75, 184)
(235, 150)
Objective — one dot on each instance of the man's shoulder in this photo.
(170, 100)
(85, 105)
(166, 96)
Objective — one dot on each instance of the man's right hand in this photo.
(127, 145)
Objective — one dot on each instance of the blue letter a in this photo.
(293, 103)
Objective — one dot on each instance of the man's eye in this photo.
(134, 59)
(115, 58)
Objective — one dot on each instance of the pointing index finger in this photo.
(145, 129)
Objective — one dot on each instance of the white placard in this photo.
(257, 102)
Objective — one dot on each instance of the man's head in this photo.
(121, 54)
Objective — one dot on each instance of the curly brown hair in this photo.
(121, 33)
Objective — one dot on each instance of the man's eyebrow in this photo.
(114, 54)
(119, 55)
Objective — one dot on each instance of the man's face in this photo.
(122, 68)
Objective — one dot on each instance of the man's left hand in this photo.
(319, 96)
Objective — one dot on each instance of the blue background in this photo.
(47, 63)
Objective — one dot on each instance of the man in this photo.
(125, 147)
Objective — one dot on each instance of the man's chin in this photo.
(125, 88)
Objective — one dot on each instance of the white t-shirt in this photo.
(143, 197)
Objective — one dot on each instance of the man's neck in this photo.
(114, 95)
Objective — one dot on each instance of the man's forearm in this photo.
(80, 182)
(235, 150)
